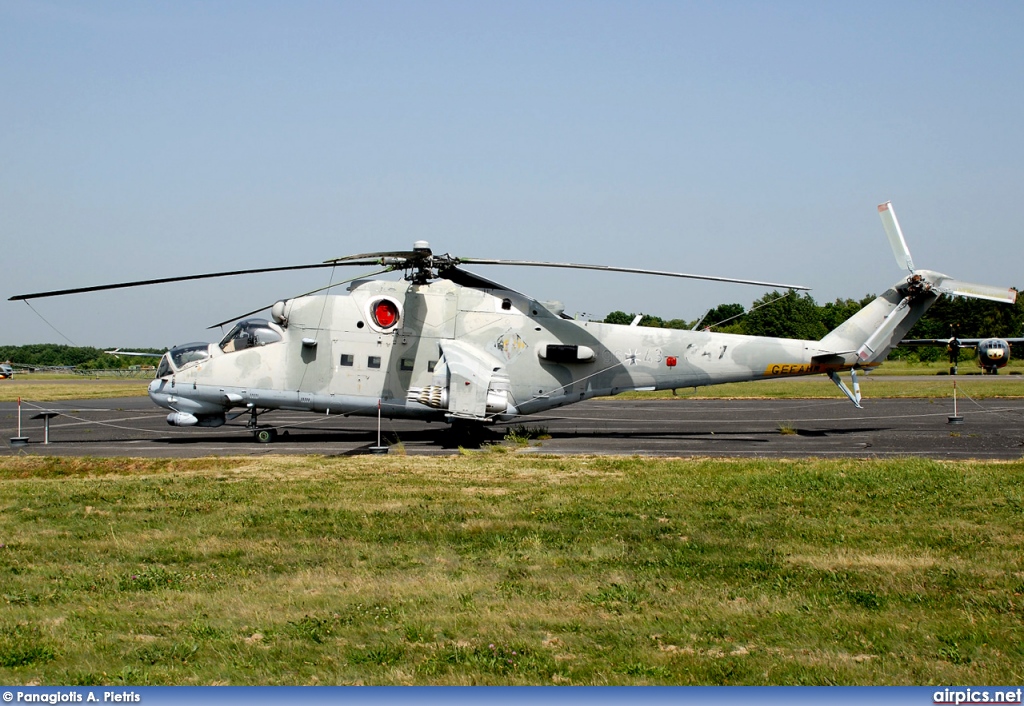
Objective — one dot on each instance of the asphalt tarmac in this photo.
(133, 426)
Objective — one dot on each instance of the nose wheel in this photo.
(263, 435)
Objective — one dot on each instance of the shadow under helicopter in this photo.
(490, 436)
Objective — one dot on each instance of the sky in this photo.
(740, 139)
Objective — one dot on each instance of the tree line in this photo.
(792, 315)
(52, 355)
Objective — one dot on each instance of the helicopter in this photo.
(445, 344)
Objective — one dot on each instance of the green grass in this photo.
(873, 386)
(510, 569)
(55, 390)
(931, 381)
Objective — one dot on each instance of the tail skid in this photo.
(855, 394)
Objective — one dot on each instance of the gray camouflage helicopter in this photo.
(446, 344)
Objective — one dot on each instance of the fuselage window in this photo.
(348, 359)
(406, 364)
(373, 361)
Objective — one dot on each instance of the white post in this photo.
(955, 418)
(378, 422)
(19, 440)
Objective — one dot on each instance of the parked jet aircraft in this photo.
(446, 344)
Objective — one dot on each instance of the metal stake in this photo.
(956, 418)
(378, 449)
(19, 440)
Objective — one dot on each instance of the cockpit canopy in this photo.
(180, 356)
(250, 333)
(245, 334)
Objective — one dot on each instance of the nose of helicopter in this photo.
(157, 394)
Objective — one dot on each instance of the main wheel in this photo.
(265, 436)
(470, 434)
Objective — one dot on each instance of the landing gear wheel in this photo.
(470, 434)
(265, 436)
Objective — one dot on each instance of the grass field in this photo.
(929, 380)
(77, 388)
(495, 568)
(872, 387)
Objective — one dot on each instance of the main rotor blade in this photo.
(892, 229)
(633, 270)
(263, 308)
(165, 280)
(383, 258)
(466, 278)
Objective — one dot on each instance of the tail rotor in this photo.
(917, 286)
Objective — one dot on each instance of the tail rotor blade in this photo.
(958, 288)
(892, 229)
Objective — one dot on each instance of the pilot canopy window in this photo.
(181, 356)
(248, 334)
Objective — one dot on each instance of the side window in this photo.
(430, 366)
(373, 361)
(347, 359)
(406, 364)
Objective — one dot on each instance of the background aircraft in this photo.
(993, 353)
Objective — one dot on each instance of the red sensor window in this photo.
(385, 313)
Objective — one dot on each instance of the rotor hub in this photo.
(917, 285)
